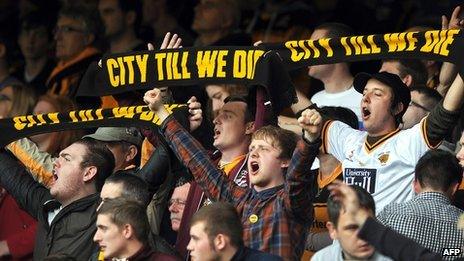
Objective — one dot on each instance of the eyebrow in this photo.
(375, 88)
(350, 226)
(216, 94)
(64, 154)
(229, 111)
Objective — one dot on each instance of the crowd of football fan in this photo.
(365, 166)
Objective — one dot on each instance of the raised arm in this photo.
(448, 70)
(384, 239)
(299, 179)
(454, 97)
(311, 123)
(27, 192)
(38, 163)
(213, 181)
(444, 116)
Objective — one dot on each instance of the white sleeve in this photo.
(335, 137)
(415, 142)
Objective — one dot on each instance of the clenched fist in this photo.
(155, 102)
(153, 99)
(311, 122)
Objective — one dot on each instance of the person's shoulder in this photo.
(256, 255)
(331, 252)
(318, 95)
(162, 256)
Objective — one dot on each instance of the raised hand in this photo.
(153, 99)
(311, 121)
(347, 197)
(196, 114)
(455, 21)
(173, 42)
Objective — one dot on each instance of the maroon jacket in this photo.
(17, 228)
(146, 254)
(196, 198)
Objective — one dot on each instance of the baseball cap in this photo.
(400, 90)
(130, 135)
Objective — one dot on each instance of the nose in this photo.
(253, 153)
(56, 163)
(217, 119)
(190, 245)
(460, 155)
(172, 209)
(366, 97)
(97, 237)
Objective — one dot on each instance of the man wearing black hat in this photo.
(382, 158)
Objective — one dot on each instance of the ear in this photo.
(220, 242)
(332, 230)
(130, 17)
(127, 231)
(454, 187)
(90, 173)
(250, 127)
(417, 187)
(398, 108)
(407, 80)
(131, 153)
(285, 163)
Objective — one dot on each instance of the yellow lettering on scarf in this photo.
(206, 63)
(121, 70)
(245, 63)
(126, 112)
(398, 42)
(211, 63)
(438, 41)
(172, 66)
(305, 49)
(325, 44)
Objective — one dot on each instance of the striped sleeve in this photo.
(299, 179)
(213, 181)
(38, 163)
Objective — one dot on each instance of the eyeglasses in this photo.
(178, 202)
(412, 103)
(67, 29)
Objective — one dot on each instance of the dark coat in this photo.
(72, 229)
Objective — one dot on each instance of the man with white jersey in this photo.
(382, 158)
(337, 78)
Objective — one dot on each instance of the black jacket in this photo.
(247, 254)
(72, 229)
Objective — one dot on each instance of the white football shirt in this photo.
(385, 169)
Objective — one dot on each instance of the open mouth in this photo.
(216, 133)
(365, 112)
(254, 166)
(55, 177)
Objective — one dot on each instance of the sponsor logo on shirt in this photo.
(383, 158)
(361, 177)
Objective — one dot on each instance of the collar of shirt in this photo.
(436, 196)
(263, 194)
